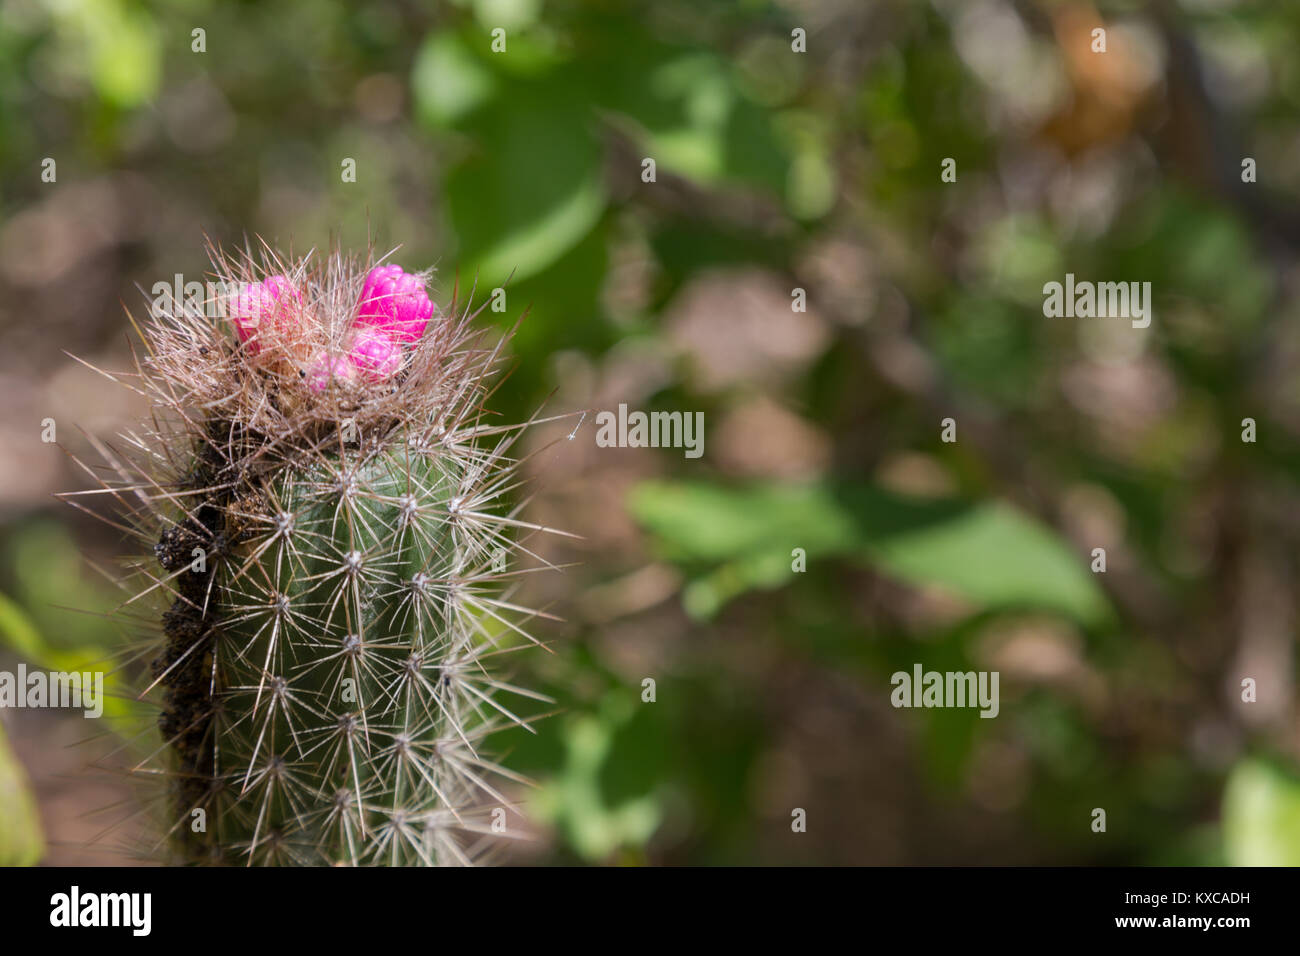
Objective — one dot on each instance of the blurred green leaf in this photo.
(67, 603)
(533, 189)
(510, 15)
(21, 842)
(1261, 815)
(20, 633)
(50, 573)
(987, 553)
(598, 820)
(448, 81)
(117, 46)
(683, 108)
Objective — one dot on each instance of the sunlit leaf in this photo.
(1261, 815)
(448, 82)
(987, 553)
(532, 190)
(21, 842)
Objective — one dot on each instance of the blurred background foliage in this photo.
(776, 171)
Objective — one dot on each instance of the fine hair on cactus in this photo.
(329, 532)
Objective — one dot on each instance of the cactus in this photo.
(323, 498)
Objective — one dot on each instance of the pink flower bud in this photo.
(375, 354)
(394, 302)
(269, 305)
(328, 370)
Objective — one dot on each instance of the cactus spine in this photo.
(322, 496)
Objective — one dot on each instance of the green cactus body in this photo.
(332, 557)
(334, 663)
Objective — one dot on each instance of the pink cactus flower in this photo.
(328, 370)
(375, 355)
(394, 302)
(267, 305)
